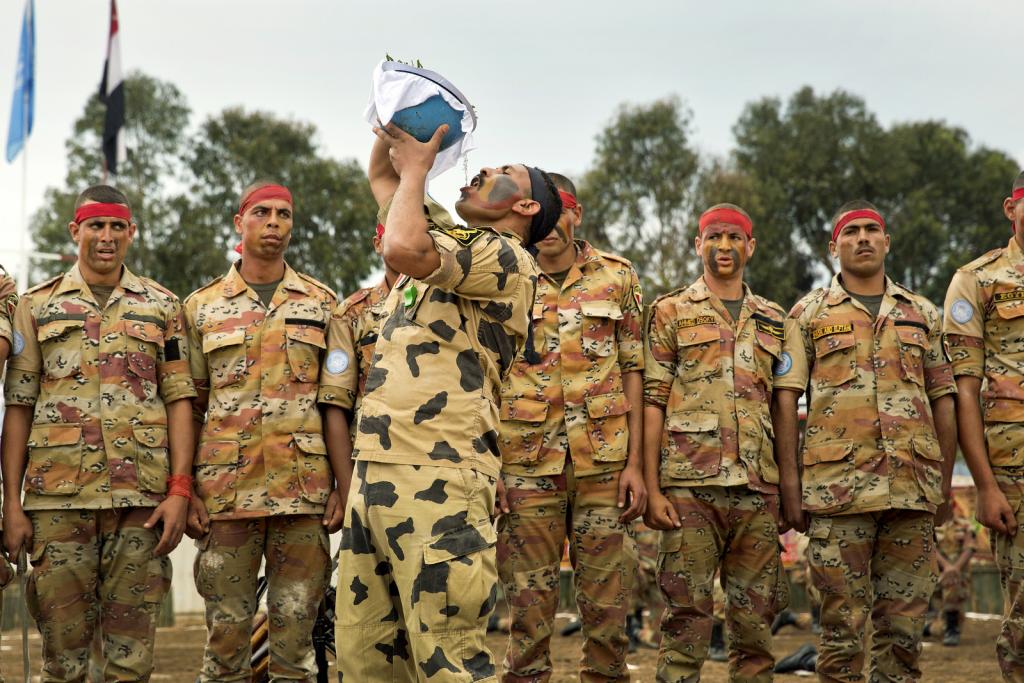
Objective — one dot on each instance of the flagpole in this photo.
(23, 269)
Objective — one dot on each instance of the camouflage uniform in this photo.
(351, 340)
(8, 302)
(872, 470)
(418, 575)
(563, 440)
(647, 595)
(951, 540)
(713, 378)
(985, 336)
(261, 467)
(98, 380)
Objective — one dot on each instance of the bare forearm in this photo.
(785, 425)
(14, 453)
(944, 413)
(339, 445)
(633, 386)
(654, 423)
(182, 436)
(971, 432)
(408, 248)
(382, 175)
(965, 557)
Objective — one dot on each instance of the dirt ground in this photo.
(179, 654)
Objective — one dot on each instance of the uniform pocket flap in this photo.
(459, 542)
(56, 328)
(601, 309)
(218, 340)
(692, 421)
(217, 453)
(524, 410)
(54, 435)
(306, 334)
(154, 436)
(927, 447)
(832, 342)
(671, 541)
(538, 311)
(310, 443)
(1009, 311)
(144, 331)
(607, 405)
(827, 452)
(698, 334)
(912, 334)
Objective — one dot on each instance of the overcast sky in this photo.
(545, 77)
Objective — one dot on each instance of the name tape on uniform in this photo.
(826, 330)
(699, 320)
(1015, 295)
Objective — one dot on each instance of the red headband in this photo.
(568, 200)
(380, 230)
(1018, 193)
(87, 211)
(854, 215)
(729, 216)
(265, 192)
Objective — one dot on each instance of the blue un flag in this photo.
(23, 100)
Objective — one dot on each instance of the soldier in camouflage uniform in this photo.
(709, 463)
(954, 541)
(570, 436)
(97, 397)
(264, 482)
(985, 334)
(418, 571)
(878, 452)
(8, 302)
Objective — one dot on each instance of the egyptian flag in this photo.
(112, 95)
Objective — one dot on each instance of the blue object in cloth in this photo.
(423, 119)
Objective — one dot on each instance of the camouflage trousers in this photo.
(544, 511)
(878, 564)
(647, 594)
(227, 566)
(89, 568)
(735, 529)
(417, 578)
(1009, 554)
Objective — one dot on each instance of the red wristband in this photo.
(180, 485)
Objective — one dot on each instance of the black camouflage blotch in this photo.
(490, 602)
(380, 493)
(375, 377)
(471, 375)
(443, 451)
(461, 543)
(494, 338)
(434, 494)
(508, 262)
(361, 466)
(500, 312)
(383, 568)
(423, 627)
(431, 408)
(356, 537)
(414, 351)
(479, 666)
(391, 616)
(464, 257)
(393, 589)
(442, 330)
(359, 590)
(433, 578)
(449, 611)
(437, 662)
(379, 425)
(487, 442)
(450, 523)
(399, 647)
(396, 320)
(443, 296)
(396, 532)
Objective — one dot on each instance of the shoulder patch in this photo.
(984, 259)
(463, 235)
(317, 283)
(961, 311)
(775, 328)
(357, 296)
(44, 285)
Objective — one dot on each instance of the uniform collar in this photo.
(233, 284)
(74, 282)
(837, 294)
(699, 291)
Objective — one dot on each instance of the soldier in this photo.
(985, 334)
(877, 455)
(570, 438)
(97, 397)
(418, 575)
(256, 337)
(711, 348)
(8, 302)
(955, 542)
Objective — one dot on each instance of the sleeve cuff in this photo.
(336, 396)
(21, 387)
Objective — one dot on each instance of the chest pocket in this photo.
(540, 341)
(699, 351)
(226, 357)
(1009, 317)
(305, 346)
(598, 327)
(913, 347)
(60, 343)
(143, 341)
(835, 357)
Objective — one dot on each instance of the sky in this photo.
(545, 77)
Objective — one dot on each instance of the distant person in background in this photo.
(955, 543)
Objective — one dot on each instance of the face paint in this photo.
(731, 248)
(499, 191)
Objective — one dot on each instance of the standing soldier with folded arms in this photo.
(709, 464)
(984, 326)
(264, 483)
(571, 412)
(97, 396)
(877, 455)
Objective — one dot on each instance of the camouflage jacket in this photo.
(256, 371)
(713, 377)
(351, 340)
(99, 380)
(446, 344)
(870, 442)
(984, 327)
(8, 302)
(954, 537)
(567, 395)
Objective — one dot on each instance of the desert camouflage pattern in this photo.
(647, 594)
(870, 441)
(880, 565)
(95, 568)
(8, 302)
(445, 346)
(98, 380)
(544, 511)
(226, 569)
(951, 540)
(256, 370)
(735, 528)
(351, 340)
(713, 377)
(417, 576)
(565, 394)
(1009, 554)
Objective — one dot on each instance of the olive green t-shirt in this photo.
(265, 291)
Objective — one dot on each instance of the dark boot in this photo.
(804, 659)
(816, 619)
(633, 632)
(952, 635)
(716, 650)
(783, 618)
(572, 628)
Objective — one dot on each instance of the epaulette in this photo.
(984, 259)
(769, 304)
(815, 296)
(612, 257)
(158, 287)
(314, 281)
(357, 296)
(202, 288)
(44, 285)
(666, 295)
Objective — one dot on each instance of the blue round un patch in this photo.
(784, 365)
(337, 362)
(962, 311)
(19, 343)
